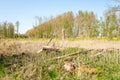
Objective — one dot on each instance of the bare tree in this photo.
(113, 9)
(17, 26)
(38, 20)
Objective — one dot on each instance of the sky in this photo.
(25, 11)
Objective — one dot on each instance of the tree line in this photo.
(69, 25)
(7, 30)
(83, 24)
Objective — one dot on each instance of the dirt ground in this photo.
(33, 46)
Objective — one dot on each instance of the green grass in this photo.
(39, 66)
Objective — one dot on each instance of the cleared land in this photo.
(32, 46)
(104, 56)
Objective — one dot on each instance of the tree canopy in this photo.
(83, 24)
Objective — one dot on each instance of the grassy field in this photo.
(41, 66)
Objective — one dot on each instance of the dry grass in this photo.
(32, 46)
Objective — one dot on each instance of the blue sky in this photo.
(25, 11)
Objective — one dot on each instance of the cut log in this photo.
(49, 49)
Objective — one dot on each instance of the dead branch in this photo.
(49, 41)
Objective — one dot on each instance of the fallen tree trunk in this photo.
(72, 54)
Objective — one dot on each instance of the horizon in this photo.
(26, 11)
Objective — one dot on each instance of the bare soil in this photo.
(33, 46)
